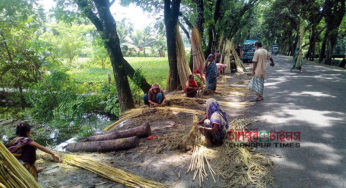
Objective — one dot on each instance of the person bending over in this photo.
(24, 148)
(215, 123)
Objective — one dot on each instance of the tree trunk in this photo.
(141, 131)
(171, 13)
(313, 38)
(143, 84)
(112, 44)
(200, 17)
(216, 33)
(104, 146)
(334, 11)
(210, 41)
(87, 8)
(329, 53)
(323, 50)
(212, 33)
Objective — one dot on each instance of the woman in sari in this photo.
(211, 73)
(297, 60)
(215, 123)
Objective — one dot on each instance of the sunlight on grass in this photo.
(154, 69)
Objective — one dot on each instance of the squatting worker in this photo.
(215, 124)
(191, 87)
(259, 70)
(155, 96)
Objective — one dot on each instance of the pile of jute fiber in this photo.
(109, 172)
(12, 173)
(238, 167)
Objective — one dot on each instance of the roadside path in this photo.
(313, 103)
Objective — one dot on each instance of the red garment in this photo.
(191, 84)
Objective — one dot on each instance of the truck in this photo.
(248, 50)
(275, 49)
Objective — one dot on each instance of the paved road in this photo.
(313, 103)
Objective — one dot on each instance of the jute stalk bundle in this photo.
(109, 172)
(238, 62)
(12, 173)
(226, 55)
(183, 67)
(197, 52)
(198, 162)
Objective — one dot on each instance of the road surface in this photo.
(313, 103)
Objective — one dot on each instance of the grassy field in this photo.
(154, 69)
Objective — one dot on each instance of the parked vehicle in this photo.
(248, 50)
(275, 49)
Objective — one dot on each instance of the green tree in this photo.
(143, 39)
(21, 54)
(98, 12)
(333, 11)
(171, 9)
(69, 40)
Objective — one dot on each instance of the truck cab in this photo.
(248, 50)
(275, 49)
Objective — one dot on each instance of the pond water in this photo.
(54, 136)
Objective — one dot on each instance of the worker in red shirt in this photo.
(191, 87)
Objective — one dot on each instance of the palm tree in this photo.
(143, 39)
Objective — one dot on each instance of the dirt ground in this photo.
(152, 159)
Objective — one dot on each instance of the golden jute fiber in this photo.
(12, 173)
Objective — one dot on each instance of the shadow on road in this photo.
(312, 103)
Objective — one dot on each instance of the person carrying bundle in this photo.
(24, 148)
(191, 87)
(215, 123)
(155, 96)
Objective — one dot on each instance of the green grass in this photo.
(154, 69)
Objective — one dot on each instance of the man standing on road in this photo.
(259, 70)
